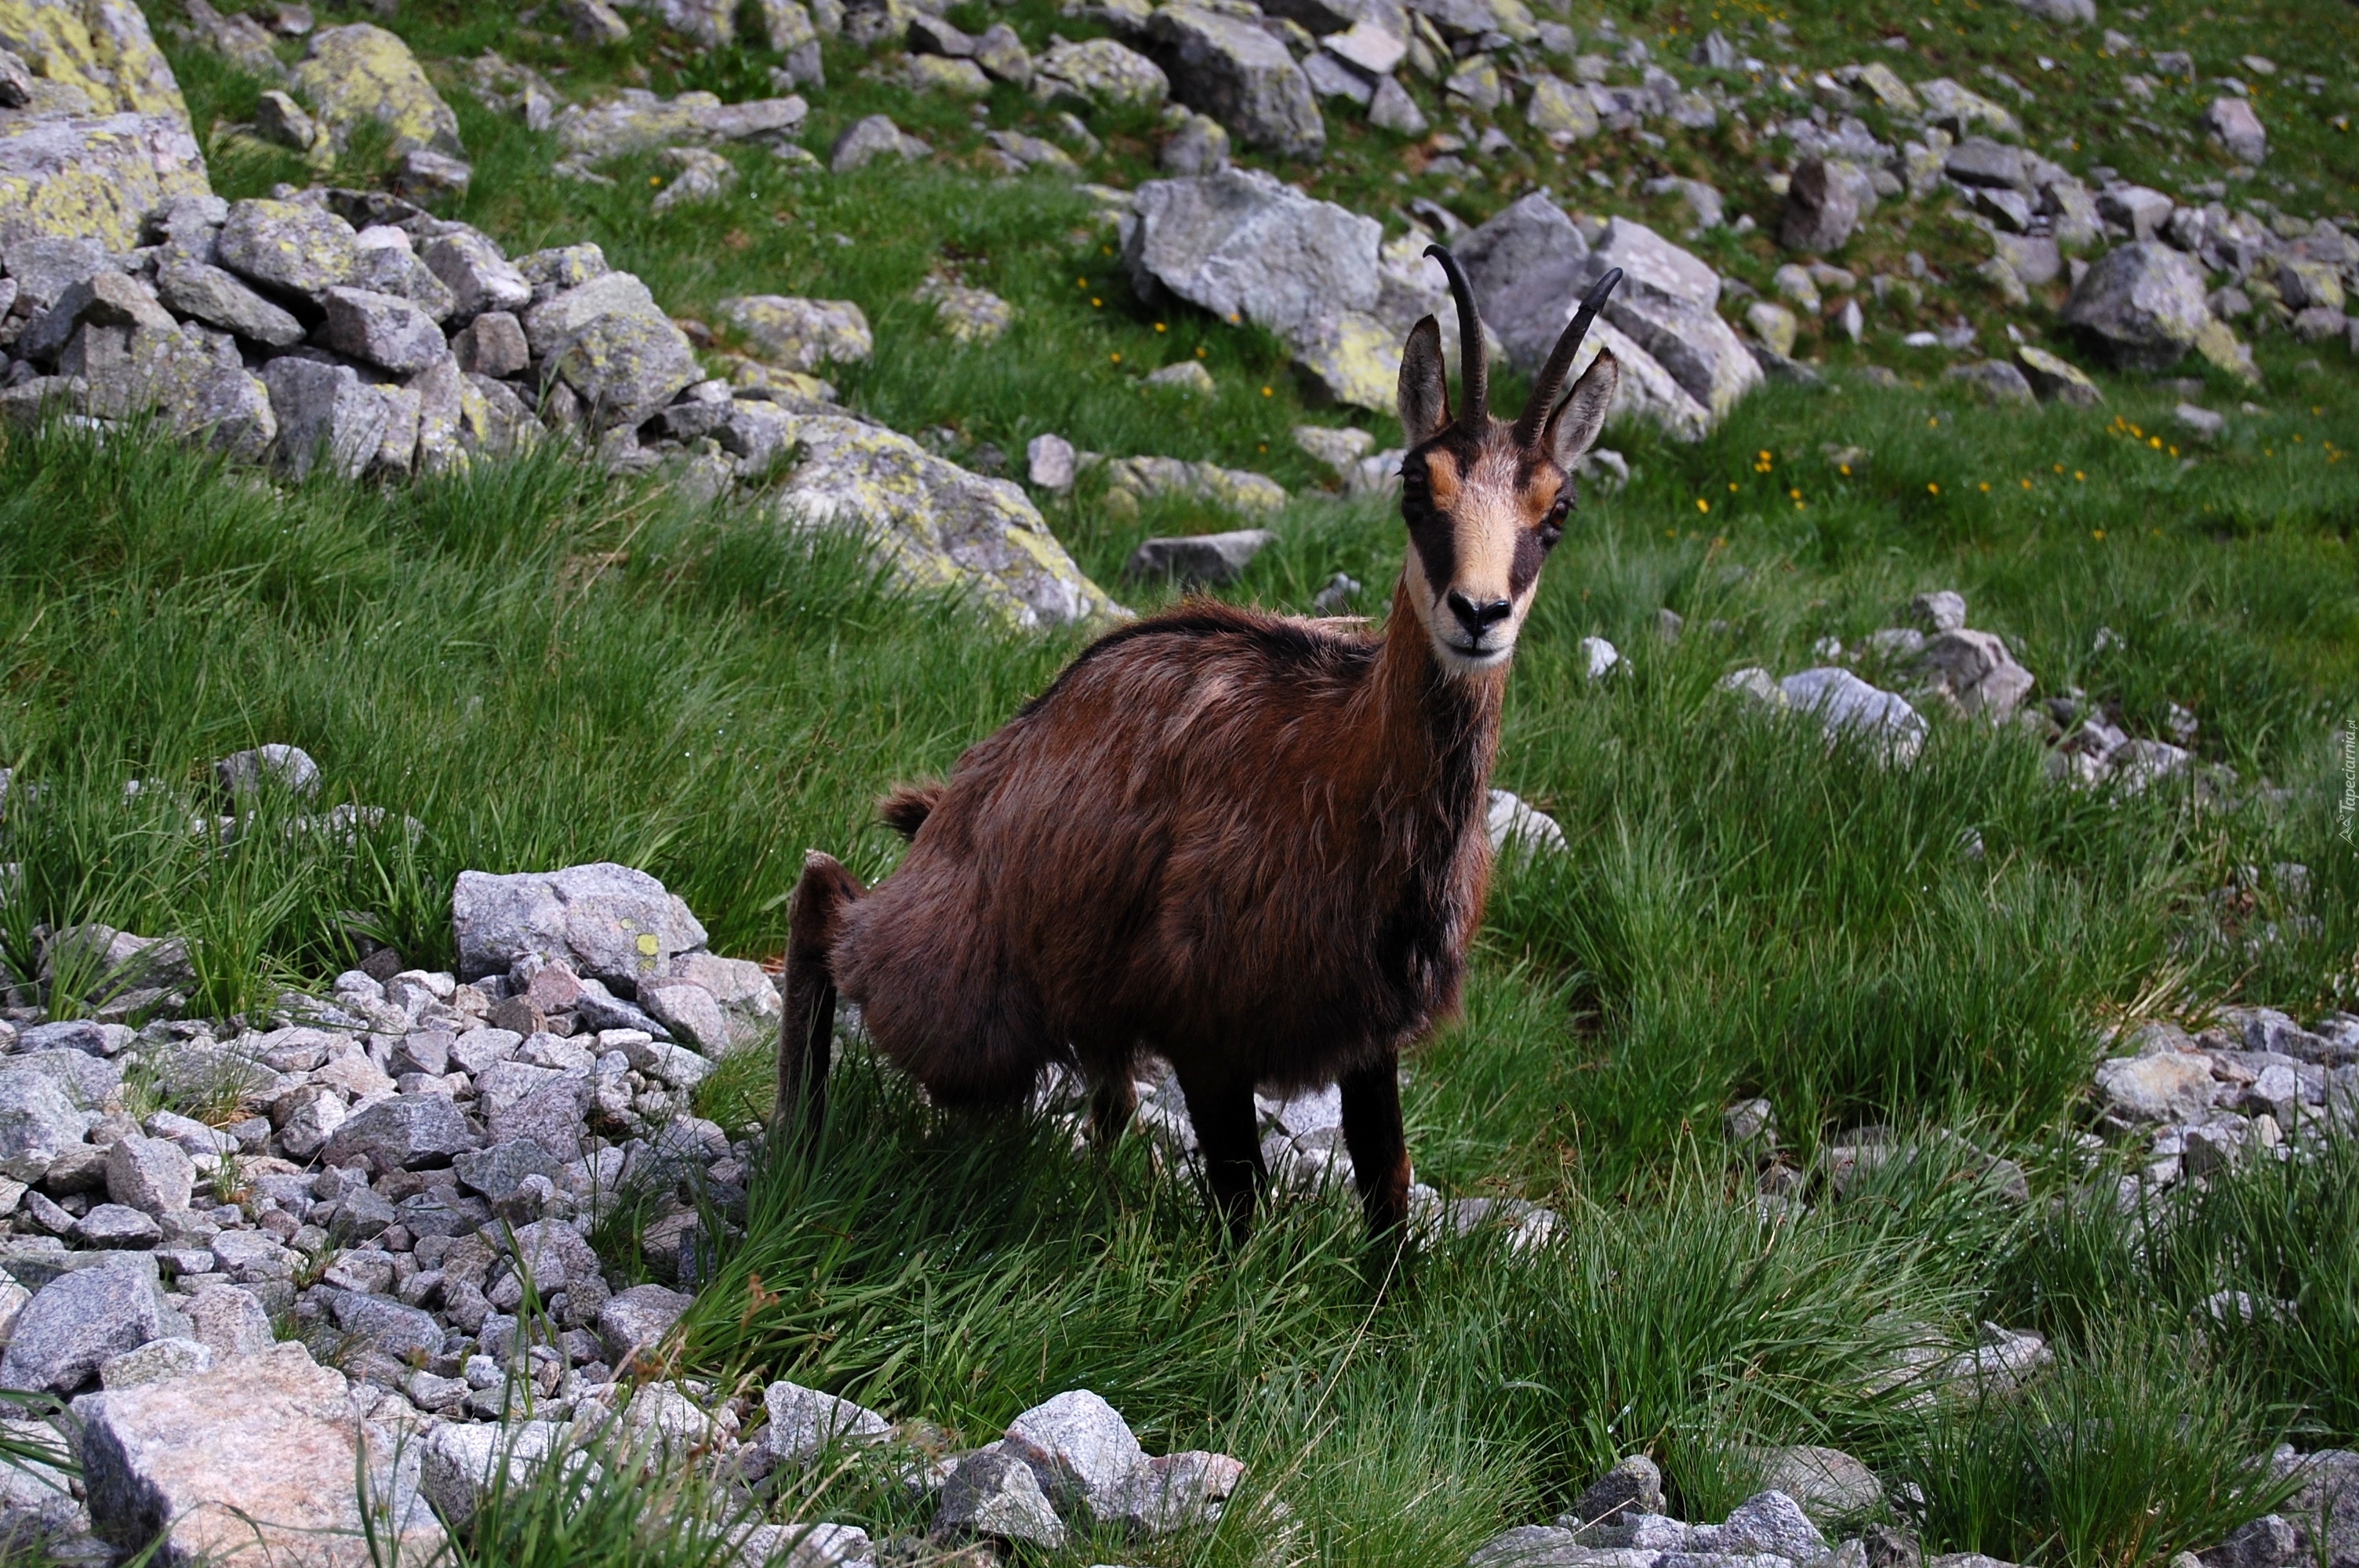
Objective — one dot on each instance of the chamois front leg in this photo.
(806, 1033)
(1228, 1137)
(1379, 1150)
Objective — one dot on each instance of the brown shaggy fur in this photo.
(1251, 845)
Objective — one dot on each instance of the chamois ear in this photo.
(1573, 430)
(1424, 384)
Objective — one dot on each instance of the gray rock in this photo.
(1828, 1485)
(45, 265)
(407, 1133)
(16, 81)
(1082, 1451)
(279, 118)
(1231, 69)
(1240, 244)
(866, 140)
(1774, 1523)
(554, 1116)
(1524, 264)
(79, 1320)
(1975, 669)
(404, 1333)
(2239, 128)
(461, 1462)
(424, 175)
(230, 1321)
(2268, 1542)
(37, 1122)
(1943, 610)
(87, 1080)
(325, 414)
(1098, 73)
(1210, 558)
(2056, 380)
(1844, 703)
(1995, 379)
(105, 298)
(492, 344)
(151, 1175)
(603, 920)
(932, 523)
(625, 361)
(360, 72)
(2168, 1086)
(803, 1423)
(2141, 305)
(261, 1452)
(1050, 463)
(288, 245)
(1176, 1492)
(1634, 1486)
(2140, 211)
(799, 334)
(1666, 305)
(996, 1495)
(1544, 1546)
(477, 276)
(1821, 206)
(496, 1171)
(219, 298)
(638, 1318)
(1978, 160)
(382, 329)
(111, 1225)
(1329, 78)
(154, 1362)
(82, 1034)
(1392, 109)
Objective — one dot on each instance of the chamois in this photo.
(1253, 845)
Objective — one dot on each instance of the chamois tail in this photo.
(807, 1033)
(905, 809)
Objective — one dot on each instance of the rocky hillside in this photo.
(461, 462)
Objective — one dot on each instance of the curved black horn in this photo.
(1560, 362)
(1474, 369)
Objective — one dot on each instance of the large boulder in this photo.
(1248, 247)
(1667, 304)
(79, 1320)
(1822, 206)
(934, 525)
(2141, 305)
(613, 923)
(1241, 76)
(38, 1123)
(1682, 366)
(1099, 73)
(262, 1450)
(635, 120)
(362, 72)
(96, 136)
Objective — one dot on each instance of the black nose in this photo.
(1478, 619)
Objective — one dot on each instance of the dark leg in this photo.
(1372, 1131)
(1113, 1103)
(807, 1034)
(1223, 1115)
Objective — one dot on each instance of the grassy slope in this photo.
(1743, 912)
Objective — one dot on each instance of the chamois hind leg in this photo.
(1379, 1150)
(1112, 1102)
(806, 1033)
(1229, 1139)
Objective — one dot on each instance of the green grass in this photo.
(542, 665)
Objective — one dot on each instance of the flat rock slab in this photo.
(261, 1450)
(1213, 558)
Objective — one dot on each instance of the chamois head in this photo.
(1486, 501)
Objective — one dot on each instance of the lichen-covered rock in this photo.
(1246, 246)
(610, 921)
(2142, 305)
(100, 49)
(936, 525)
(361, 71)
(1231, 69)
(288, 245)
(381, 329)
(614, 347)
(1240, 489)
(218, 298)
(866, 140)
(799, 334)
(325, 413)
(261, 1451)
(967, 315)
(639, 121)
(1100, 73)
(93, 176)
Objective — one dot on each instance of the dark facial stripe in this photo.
(1527, 563)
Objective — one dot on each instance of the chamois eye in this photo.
(1552, 525)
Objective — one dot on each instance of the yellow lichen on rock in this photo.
(79, 177)
(101, 47)
(364, 72)
(937, 526)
